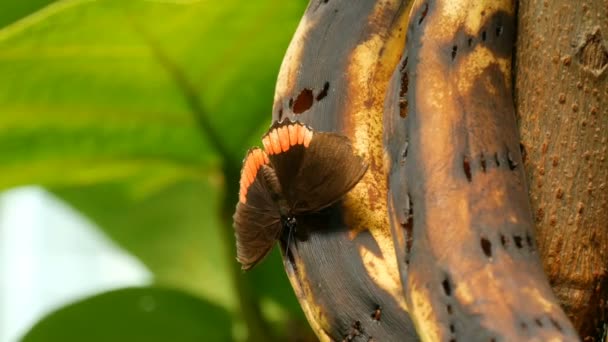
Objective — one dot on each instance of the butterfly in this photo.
(299, 173)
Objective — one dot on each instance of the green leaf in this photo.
(90, 90)
(173, 227)
(128, 110)
(135, 314)
(12, 10)
(170, 224)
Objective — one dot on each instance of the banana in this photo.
(458, 200)
(334, 77)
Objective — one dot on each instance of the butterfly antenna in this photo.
(288, 253)
(289, 237)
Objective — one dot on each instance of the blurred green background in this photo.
(137, 114)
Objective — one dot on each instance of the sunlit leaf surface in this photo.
(136, 314)
(132, 111)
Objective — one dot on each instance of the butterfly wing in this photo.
(285, 143)
(257, 222)
(330, 168)
(314, 169)
(256, 233)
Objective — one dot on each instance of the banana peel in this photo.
(437, 241)
(334, 77)
(458, 199)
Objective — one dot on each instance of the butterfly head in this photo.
(289, 222)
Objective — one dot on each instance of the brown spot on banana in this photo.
(344, 53)
(456, 185)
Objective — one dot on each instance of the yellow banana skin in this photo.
(334, 77)
(458, 204)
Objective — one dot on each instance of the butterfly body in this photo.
(286, 213)
(298, 174)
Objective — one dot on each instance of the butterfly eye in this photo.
(291, 222)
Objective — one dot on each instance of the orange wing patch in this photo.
(307, 137)
(300, 134)
(280, 139)
(252, 164)
(284, 138)
(275, 142)
(293, 138)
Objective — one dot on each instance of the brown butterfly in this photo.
(299, 173)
